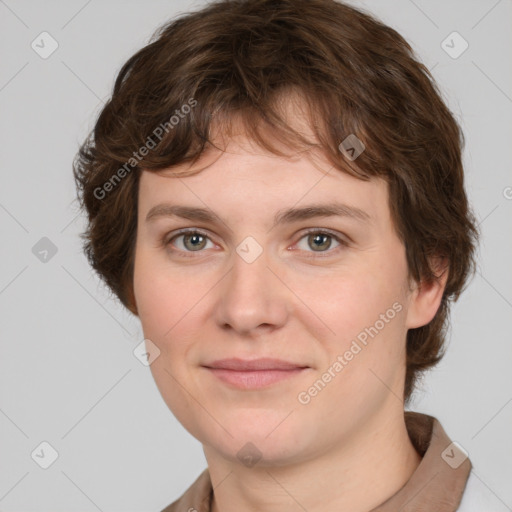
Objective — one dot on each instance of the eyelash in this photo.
(166, 241)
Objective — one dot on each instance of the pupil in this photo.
(195, 238)
(321, 239)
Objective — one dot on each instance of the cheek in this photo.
(165, 305)
(364, 359)
(159, 300)
(349, 300)
(170, 304)
(364, 308)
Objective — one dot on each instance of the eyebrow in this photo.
(285, 216)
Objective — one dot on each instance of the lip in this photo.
(263, 363)
(255, 373)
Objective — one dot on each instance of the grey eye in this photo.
(318, 241)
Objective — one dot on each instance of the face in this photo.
(327, 295)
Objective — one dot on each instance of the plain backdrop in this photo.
(68, 375)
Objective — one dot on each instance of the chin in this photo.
(264, 443)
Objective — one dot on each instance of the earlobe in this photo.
(427, 295)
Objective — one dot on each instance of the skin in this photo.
(348, 448)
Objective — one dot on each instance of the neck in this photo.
(359, 475)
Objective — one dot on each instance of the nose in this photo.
(253, 296)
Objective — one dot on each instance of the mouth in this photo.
(254, 374)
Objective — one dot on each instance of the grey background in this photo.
(68, 375)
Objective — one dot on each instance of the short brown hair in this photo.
(237, 58)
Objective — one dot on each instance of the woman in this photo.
(276, 190)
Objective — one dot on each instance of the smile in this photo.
(254, 379)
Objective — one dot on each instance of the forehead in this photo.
(244, 182)
(238, 177)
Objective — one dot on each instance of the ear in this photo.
(426, 296)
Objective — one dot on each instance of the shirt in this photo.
(438, 483)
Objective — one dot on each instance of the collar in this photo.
(438, 482)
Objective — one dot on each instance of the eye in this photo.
(321, 241)
(193, 240)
